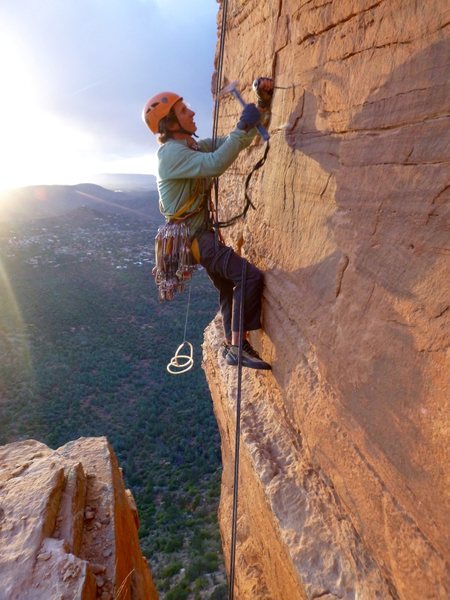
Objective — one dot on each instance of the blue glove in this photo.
(250, 117)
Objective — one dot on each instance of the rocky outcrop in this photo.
(344, 458)
(68, 527)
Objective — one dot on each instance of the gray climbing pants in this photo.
(224, 268)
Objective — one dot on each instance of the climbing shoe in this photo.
(247, 347)
(250, 358)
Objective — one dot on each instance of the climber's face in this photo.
(185, 116)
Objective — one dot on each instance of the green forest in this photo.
(84, 345)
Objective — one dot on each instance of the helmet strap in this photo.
(182, 130)
(174, 120)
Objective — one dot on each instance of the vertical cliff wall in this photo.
(345, 466)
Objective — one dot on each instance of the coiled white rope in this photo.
(181, 363)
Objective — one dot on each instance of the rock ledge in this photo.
(68, 527)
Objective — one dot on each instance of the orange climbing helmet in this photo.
(157, 108)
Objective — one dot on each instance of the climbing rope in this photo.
(181, 363)
(219, 85)
(219, 224)
(241, 310)
(248, 201)
(237, 440)
(219, 73)
(219, 79)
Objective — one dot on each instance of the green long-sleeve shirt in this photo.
(179, 166)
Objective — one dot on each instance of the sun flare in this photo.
(35, 145)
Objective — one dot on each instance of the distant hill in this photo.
(125, 182)
(43, 201)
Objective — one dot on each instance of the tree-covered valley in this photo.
(84, 344)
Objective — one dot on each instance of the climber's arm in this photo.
(178, 161)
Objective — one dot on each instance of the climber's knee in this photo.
(255, 276)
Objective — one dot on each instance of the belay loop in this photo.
(174, 262)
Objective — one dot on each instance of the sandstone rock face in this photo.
(67, 525)
(344, 488)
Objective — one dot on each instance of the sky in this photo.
(75, 75)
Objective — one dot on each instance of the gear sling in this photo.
(176, 255)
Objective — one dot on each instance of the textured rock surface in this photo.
(67, 525)
(345, 463)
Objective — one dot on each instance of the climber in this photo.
(185, 169)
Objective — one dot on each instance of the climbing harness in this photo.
(176, 256)
(181, 363)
